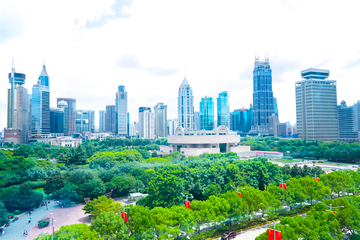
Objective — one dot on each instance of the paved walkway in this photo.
(62, 217)
(16, 229)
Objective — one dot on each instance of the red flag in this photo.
(53, 230)
(240, 195)
(122, 214)
(277, 235)
(271, 234)
(125, 215)
(318, 179)
(188, 204)
(313, 177)
(284, 186)
(280, 185)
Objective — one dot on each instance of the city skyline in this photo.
(80, 45)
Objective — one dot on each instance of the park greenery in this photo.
(211, 183)
(332, 151)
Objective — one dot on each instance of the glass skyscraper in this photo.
(85, 121)
(110, 118)
(56, 120)
(223, 109)
(160, 111)
(263, 98)
(40, 107)
(17, 110)
(102, 120)
(71, 115)
(185, 106)
(207, 114)
(242, 120)
(63, 105)
(121, 108)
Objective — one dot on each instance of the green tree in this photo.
(92, 189)
(338, 181)
(3, 214)
(314, 189)
(110, 225)
(102, 204)
(140, 221)
(53, 184)
(23, 199)
(24, 150)
(237, 205)
(80, 231)
(183, 220)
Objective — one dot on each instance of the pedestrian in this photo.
(47, 207)
(29, 219)
(24, 232)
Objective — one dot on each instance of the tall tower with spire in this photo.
(186, 105)
(17, 118)
(40, 108)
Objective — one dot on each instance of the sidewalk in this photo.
(16, 229)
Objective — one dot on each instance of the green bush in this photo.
(203, 235)
(44, 222)
(17, 212)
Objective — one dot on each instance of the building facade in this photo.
(223, 109)
(121, 112)
(71, 115)
(17, 110)
(241, 120)
(346, 123)
(263, 99)
(40, 106)
(102, 120)
(207, 114)
(85, 121)
(171, 126)
(316, 106)
(110, 119)
(186, 105)
(160, 111)
(57, 120)
(196, 120)
(146, 123)
(64, 106)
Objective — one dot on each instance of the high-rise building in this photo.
(102, 114)
(133, 130)
(160, 111)
(316, 106)
(263, 99)
(346, 123)
(64, 106)
(223, 109)
(85, 121)
(17, 110)
(276, 111)
(207, 113)
(196, 120)
(71, 115)
(146, 123)
(121, 112)
(40, 106)
(241, 120)
(356, 112)
(172, 124)
(57, 120)
(110, 119)
(186, 105)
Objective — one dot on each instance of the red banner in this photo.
(271, 234)
(240, 195)
(188, 204)
(277, 235)
(125, 215)
(280, 185)
(284, 186)
(53, 230)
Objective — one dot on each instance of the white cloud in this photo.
(147, 45)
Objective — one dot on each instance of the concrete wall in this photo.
(166, 149)
(206, 139)
(198, 151)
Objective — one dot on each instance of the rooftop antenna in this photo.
(256, 57)
(44, 62)
(266, 57)
(12, 63)
(185, 73)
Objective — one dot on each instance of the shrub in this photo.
(17, 212)
(44, 222)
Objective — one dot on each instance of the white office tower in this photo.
(146, 123)
(316, 106)
(160, 111)
(133, 130)
(186, 105)
(171, 126)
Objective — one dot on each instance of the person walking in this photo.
(29, 219)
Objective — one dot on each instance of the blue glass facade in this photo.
(102, 121)
(121, 112)
(56, 120)
(223, 109)
(85, 121)
(263, 99)
(40, 108)
(242, 120)
(71, 114)
(346, 123)
(63, 105)
(207, 114)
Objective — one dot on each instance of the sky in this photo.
(91, 47)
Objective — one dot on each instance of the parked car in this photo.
(228, 235)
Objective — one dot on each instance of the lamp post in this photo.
(237, 189)
(278, 226)
(52, 225)
(331, 207)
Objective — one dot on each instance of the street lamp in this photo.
(331, 207)
(238, 189)
(52, 224)
(275, 229)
